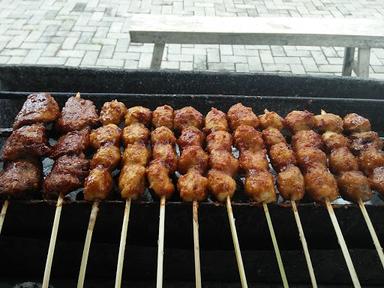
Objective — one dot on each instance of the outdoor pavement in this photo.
(95, 33)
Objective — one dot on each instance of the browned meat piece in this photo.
(20, 178)
(163, 116)
(166, 154)
(271, 119)
(370, 159)
(192, 157)
(353, 186)
(281, 156)
(273, 136)
(215, 120)
(38, 108)
(321, 185)
(192, 186)
(138, 114)
(98, 185)
(248, 138)
(136, 154)
(364, 140)
(356, 123)
(296, 121)
(224, 161)
(260, 187)
(290, 183)
(334, 140)
(159, 180)
(342, 160)
(132, 181)
(221, 185)
(112, 112)
(162, 135)
(190, 136)
(328, 122)
(239, 114)
(249, 160)
(107, 156)
(135, 133)
(310, 158)
(376, 179)
(219, 140)
(110, 133)
(27, 141)
(68, 174)
(306, 138)
(186, 117)
(75, 142)
(77, 114)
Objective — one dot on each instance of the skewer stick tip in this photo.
(323, 112)
(77, 95)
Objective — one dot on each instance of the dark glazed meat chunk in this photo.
(110, 133)
(271, 119)
(107, 156)
(27, 141)
(163, 116)
(273, 136)
(328, 122)
(38, 108)
(296, 121)
(364, 140)
(376, 179)
(75, 142)
(186, 117)
(221, 185)
(215, 120)
(290, 183)
(98, 185)
(192, 186)
(321, 185)
(306, 138)
(239, 114)
(112, 112)
(356, 123)
(334, 140)
(260, 187)
(281, 156)
(162, 135)
(192, 157)
(219, 140)
(342, 160)
(248, 138)
(190, 136)
(353, 186)
(370, 159)
(138, 114)
(224, 161)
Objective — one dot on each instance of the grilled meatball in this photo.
(138, 114)
(166, 154)
(158, 177)
(112, 112)
(239, 114)
(38, 108)
(309, 158)
(219, 140)
(192, 186)
(193, 157)
(341, 160)
(296, 121)
(221, 185)
(186, 117)
(260, 187)
(98, 185)
(356, 123)
(75, 142)
(162, 135)
(281, 156)
(224, 161)
(376, 179)
(290, 183)
(163, 116)
(68, 174)
(249, 160)
(273, 136)
(364, 140)
(136, 154)
(132, 181)
(77, 114)
(135, 133)
(334, 140)
(353, 186)
(190, 136)
(107, 156)
(271, 119)
(110, 133)
(306, 138)
(328, 122)
(248, 138)
(21, 177)
(370, 159)
(321, 185)
(27, 141)
(215, 120)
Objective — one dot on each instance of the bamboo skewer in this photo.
(196, 245)
(123, 240)
(372, 231)
(275, 246)
(87, 244)
(343, 245)
(304, 243)
(236, 244)
(52, 242)
(160, 250)
(3, 213)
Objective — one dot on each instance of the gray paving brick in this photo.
(32, 56)
(69, 43)
(51, 60)
(266, 57)
(110, 62)
(90, 58)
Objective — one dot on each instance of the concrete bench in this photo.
(362, 34)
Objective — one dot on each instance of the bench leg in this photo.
(157, 55)
(349, 55)
(363, 55)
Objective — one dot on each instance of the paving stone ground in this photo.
(95, 33)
